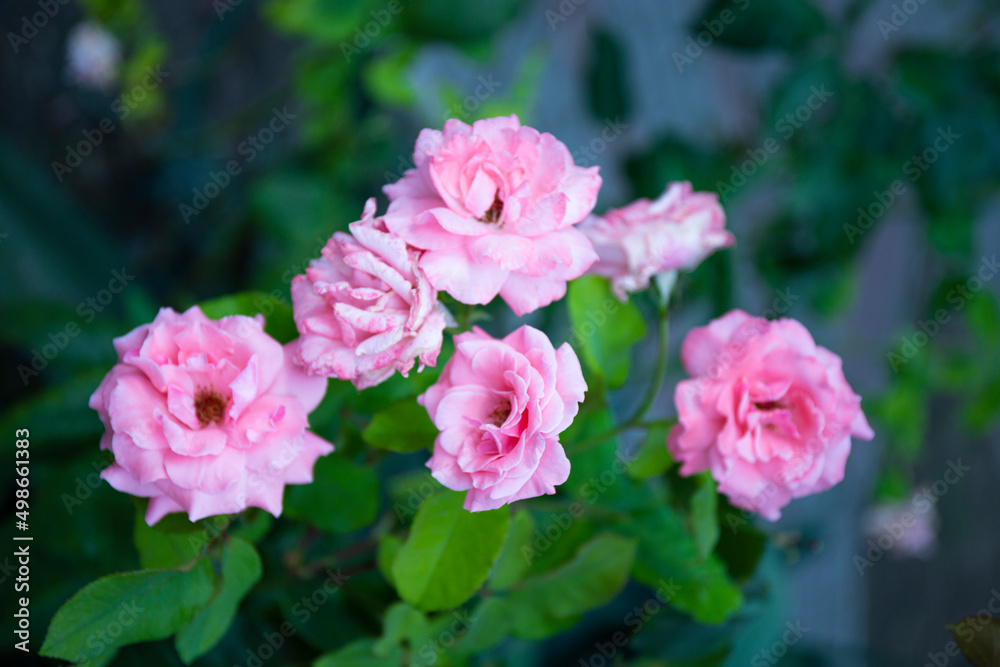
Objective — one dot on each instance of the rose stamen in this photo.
(494, 212)
(209, 407)
(499, 414)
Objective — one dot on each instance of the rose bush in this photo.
(211, 417)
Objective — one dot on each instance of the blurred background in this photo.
(162, 153)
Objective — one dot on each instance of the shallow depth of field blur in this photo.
(168, 152)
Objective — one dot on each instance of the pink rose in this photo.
(675, 232)
(207, 417)
(767, 411)
(365, 309)
(500, 405)
(493, 205)
(910, 527)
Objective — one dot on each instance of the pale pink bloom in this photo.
(906, 528)
(494, 206)
(207, 417)
(500, 406)
(93, 55)
(674, 232)
(768, 411)
(365, 309)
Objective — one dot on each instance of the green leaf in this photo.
(653, 458)
(105, 658)
(466, 21)
(740, 546)
(489, 623)
(403, 426)
(751, 25)
(254, 526)
(358, 654)
(275, 307)
(903, 413)
(511, 564)
(403, 626)
(386, 77)
(320, 20)
(667, 553)
(704, 519)
(62, 409)
(241, 569)
(893, 484)
(127, 608)
(584, 482)
(605, 349)
(388, 548)
(595, 575)
(607, 82)
(408, 490)
(161, 550)
(984, 407)
(342, 498)
(979, 641)
(176, 523)
(449, 552)
(983, 315)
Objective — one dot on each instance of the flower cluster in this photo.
(211, 417)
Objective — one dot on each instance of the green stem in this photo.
(661, 366)
(658, 375)
(464, 317)
(601, 438)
